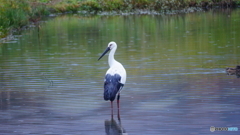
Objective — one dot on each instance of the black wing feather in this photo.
(111, 86)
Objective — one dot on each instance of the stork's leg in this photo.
(118, 98)
(111, 105)
(119, 115)
(111, 109)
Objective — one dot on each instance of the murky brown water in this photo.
(52, 83)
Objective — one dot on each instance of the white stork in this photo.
(115, 77)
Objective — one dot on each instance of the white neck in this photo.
(111, 59)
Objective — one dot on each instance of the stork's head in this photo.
(111, 45)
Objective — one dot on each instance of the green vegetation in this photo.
(17, 13)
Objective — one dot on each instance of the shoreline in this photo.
(33, 11)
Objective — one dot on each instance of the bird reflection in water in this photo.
(114, 128)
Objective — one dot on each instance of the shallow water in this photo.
(52, 83)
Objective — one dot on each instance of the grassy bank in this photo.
(15, 14)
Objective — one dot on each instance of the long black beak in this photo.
(108, 49)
